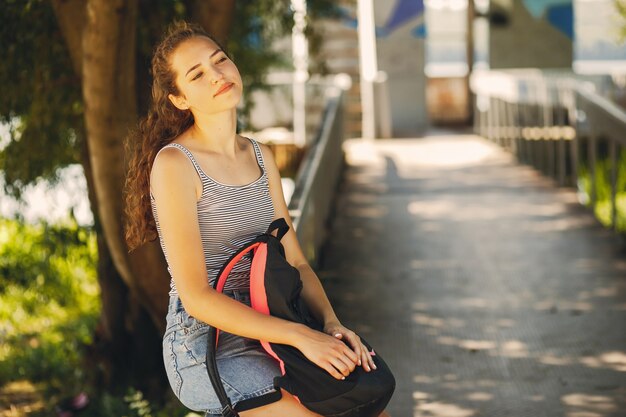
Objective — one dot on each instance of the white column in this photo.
(369, 65)
(300, 54)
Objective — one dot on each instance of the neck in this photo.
(216, 132)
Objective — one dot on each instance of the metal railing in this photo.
(318, 176)
(559, 123)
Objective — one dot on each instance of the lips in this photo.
(224, 88)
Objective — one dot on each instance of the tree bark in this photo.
(111, 336)
(109, 109)
(215, 16)
(127, 344)
(120, 354)
(71, 17)
(109, 93)
(101, 38)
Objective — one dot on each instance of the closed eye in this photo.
(198, 75)
(222, 59)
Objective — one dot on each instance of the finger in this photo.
(341, 366)
(345, 348)
(333, 371)
(370, 359)
(351, 364)
(366, 360)
(351, 355)
(355, 343)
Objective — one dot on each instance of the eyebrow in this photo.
(197, 65)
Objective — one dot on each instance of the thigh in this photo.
(288, 406)
(246, 370)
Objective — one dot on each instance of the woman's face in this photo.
(202, 69)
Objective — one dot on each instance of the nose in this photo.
(217, 76)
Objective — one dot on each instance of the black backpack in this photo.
(275, 288)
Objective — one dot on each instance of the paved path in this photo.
(488, 290)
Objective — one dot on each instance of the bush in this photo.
(49, 308)
(49, 302)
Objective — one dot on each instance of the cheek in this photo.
(199, 90)
(234, 72)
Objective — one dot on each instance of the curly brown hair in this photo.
(161, 126)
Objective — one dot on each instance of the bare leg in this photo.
(287, 406)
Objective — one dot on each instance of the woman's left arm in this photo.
(312, 289)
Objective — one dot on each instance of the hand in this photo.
(327, 352)
(336, 329)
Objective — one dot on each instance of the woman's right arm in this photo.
(174, 186)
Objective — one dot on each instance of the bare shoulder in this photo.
(171, 168)
(168, 160)
(268, 156)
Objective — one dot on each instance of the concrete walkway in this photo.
(488, 290)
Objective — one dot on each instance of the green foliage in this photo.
(620, 8)
(49, 302)
(133, 404)
(49, 295)
(42, 98)
(603, 208)
(41, 95)
(49, 307)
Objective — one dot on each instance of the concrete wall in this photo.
(536, 34)
(401, 55)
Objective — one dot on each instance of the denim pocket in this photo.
(189, 324)
(170, 362)
(195, 342)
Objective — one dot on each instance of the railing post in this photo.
(545, 162)
(550, 155)
(592, 168)
(475, 115)
(490, 120)
(525, 138)
(500, 128)
(574, 158)
(504, 117)
(561, 124)
(495, 132)
(483, 118)
(487, 101)
(510, 123)
(614, 172)
(561, 161)
(517, 129)
(572, 116)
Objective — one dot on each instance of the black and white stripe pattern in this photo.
(229, 216)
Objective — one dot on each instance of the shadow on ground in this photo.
(487, 289)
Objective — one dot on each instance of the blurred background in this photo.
(347, 94)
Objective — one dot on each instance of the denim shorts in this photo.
(246, 370)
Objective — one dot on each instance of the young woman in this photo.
(205, 190)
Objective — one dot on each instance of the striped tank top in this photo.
(228, 216)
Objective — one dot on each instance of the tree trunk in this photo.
(120, 355)
(127, 346)
(215, 16)
(101, 37)
(71, 17)
(110, 110)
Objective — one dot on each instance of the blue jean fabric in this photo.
(246, 370)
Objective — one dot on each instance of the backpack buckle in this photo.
(229, 411)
